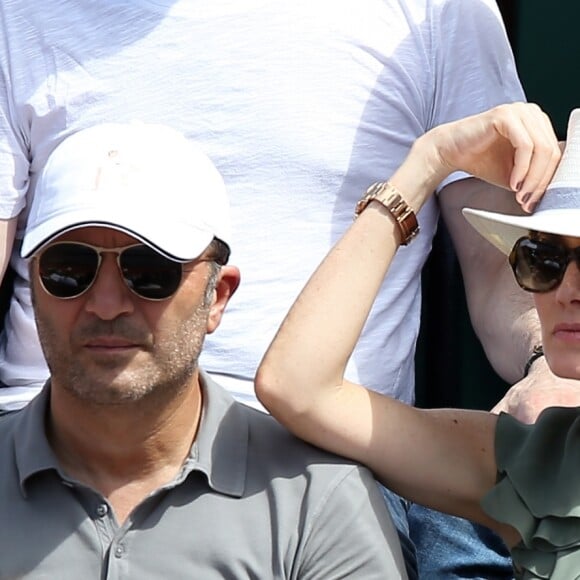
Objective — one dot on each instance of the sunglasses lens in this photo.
(67, 270)
(538, 266)
(149, 274)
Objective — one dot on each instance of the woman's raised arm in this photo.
(439, 458)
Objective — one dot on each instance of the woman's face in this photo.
(559, 312)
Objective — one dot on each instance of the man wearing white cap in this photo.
(132, 462)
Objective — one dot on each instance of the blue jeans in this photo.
(441, 547)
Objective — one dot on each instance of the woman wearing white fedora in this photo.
(521, 480)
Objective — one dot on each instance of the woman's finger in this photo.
(544, 159)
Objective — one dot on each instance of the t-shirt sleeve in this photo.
(473, 64)
(14, 164)
(538, 489)
(352, 534)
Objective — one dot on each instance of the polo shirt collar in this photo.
(220, 450)
(31, 448)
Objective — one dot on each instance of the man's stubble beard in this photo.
(170, 365)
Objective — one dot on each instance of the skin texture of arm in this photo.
(452, 450)
(445, 458)
(502, 315)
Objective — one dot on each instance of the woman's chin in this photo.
(565, 365)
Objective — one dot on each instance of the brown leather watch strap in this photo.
(389, 196)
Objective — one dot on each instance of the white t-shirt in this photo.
(300, 104)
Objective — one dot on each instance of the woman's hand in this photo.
(513, 146)
(301, 378)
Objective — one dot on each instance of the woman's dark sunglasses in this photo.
(539, 266)
(68, 270)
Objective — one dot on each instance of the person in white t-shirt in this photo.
(301, 105)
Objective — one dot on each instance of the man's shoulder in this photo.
(276, 449)
(342, 511)
(271, 434)
(268, 457)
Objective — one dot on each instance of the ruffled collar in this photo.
(538, 492)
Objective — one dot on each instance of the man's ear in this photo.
(227, 283)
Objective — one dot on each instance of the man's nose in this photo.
(109, 296)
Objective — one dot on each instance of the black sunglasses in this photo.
(539, 266)
(69, 269)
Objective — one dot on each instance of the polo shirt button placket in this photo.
(119, 551)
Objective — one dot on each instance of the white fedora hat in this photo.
(558, 212)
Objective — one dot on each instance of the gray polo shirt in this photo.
(252, 501)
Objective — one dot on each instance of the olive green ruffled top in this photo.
(538, 492)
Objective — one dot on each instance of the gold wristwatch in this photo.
(389, 196)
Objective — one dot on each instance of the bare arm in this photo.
(301, 382)
(440, 458)
(502, 315)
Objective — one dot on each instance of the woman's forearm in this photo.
(506, 146)
(309, 354)
(441, 458)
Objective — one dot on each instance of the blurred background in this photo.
(452, 370)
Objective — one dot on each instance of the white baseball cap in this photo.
(558, 211)
(146, 180)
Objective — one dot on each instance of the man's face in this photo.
(111, 347)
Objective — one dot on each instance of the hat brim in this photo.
(503, 231)
(166, 241)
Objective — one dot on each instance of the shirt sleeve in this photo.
(352, 534)
(14, 164)
(473, 65)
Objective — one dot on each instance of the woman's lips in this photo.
(567, 332)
